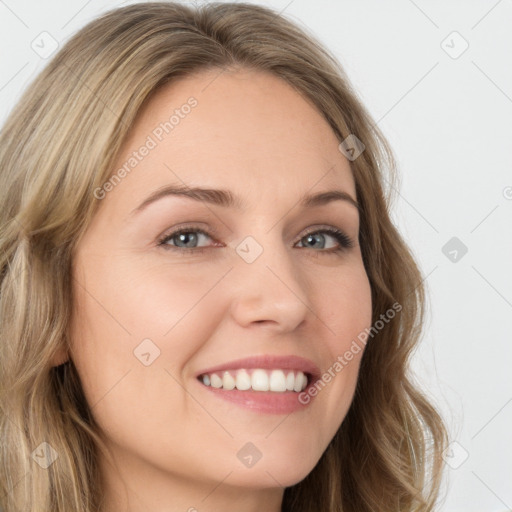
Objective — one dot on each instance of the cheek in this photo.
(345, 306)
(127, 315)
(347, 314)
(137, 299)
(154, 300)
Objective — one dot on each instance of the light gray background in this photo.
(449, 120)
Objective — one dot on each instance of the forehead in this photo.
(245, 130)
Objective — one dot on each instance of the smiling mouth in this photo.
(257, 379)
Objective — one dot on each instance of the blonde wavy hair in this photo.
(59, 144)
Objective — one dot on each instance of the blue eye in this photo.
(187, 237)
(344, 240)
(186, 240)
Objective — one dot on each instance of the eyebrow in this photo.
(227, 199)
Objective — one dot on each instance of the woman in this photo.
(204, 302)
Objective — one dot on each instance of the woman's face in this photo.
(260, 279)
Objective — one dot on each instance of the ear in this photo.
(60, 357)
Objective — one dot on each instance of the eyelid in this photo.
(190, 226)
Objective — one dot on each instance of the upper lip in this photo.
(268, 362)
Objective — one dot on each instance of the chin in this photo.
(278, 470)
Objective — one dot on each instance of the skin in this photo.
(174, 444)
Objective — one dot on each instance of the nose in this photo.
(270, 290)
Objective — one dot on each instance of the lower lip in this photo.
(269, 402)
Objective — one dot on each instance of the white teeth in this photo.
(277, 381)
(227, 381)
(243, 380)
(216, 381)
(259, 380)
(290, 381)
(298, 382)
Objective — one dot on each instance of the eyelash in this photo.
(343, 239)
